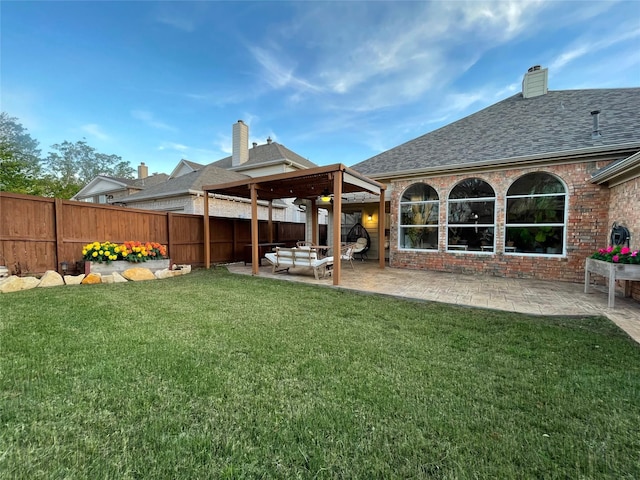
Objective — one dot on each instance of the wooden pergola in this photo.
(309, 184)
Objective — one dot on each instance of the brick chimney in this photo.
(240, 144)
(143, 170)
(535, 82)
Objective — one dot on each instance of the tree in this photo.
(20, 170)
(72, 165)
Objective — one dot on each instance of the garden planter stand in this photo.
(613, 271)
(121, 266)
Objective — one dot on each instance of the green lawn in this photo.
(214, 375)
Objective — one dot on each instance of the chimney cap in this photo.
(240, 121)
(534, 68)
(255, 144)
(269, 140)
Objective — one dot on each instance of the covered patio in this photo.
(311, 184)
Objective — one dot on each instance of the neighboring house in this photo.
(182, 191)
(527, 187)
(106, 189)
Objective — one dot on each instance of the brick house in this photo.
(527, 187)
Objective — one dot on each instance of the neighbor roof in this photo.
(264, 154)
(188, 183)
(516, 129)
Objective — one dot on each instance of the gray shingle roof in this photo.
(142, 182)
(268, 152)
(559, 121)
(208, 175)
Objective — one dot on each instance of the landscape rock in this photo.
(138, 274)
(15, 283)
(117, 278)
(92, 279)
(73, 279)
(107, 278)
(51, 278)
(166, 273)
(4, 272)
(184, 269)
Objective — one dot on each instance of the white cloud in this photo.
(149, 119)
(173, 146)
(593, 43)
(95, 131)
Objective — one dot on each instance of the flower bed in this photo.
(134, 252)
(615, 263)
(618, 254)
(107, 257)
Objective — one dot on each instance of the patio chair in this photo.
(304, 243)
(360, 236)
(361, 246)
(346, 253)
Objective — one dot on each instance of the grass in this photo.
(213, 375)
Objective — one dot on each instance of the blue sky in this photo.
(336, 82)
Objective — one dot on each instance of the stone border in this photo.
(52, 278)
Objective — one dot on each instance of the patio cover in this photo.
(308, 184)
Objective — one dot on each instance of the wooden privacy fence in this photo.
(38, 234)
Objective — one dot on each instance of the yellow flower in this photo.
(101, 252)
(139, 255)
(94, 254)
(84, 252)
(117, 249)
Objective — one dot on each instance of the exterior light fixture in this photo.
(370, 217)
(64, 266)
(325, 196)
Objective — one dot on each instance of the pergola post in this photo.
(337, 228)
(270, 222)
(381, 227)
(314, 221)
(254, 230)
(207, 246)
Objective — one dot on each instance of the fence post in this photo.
(170, 234)
(57, 214)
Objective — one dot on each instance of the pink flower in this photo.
(635, 253)
(602, 251)
(609, 249)
(625, 250)
(615, 258)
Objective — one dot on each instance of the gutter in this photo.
(627, 165)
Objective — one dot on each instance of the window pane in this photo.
(472, 212)
(536, 209)
(472, 188)
(536, 183)
(419, 214)
(547, 240)
(472, 238)
(419, 192)
(419, 237)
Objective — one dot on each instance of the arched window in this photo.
(536, 218)
(471, 216)
(419, 212)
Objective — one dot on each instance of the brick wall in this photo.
(587, 224)
(624, 208)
